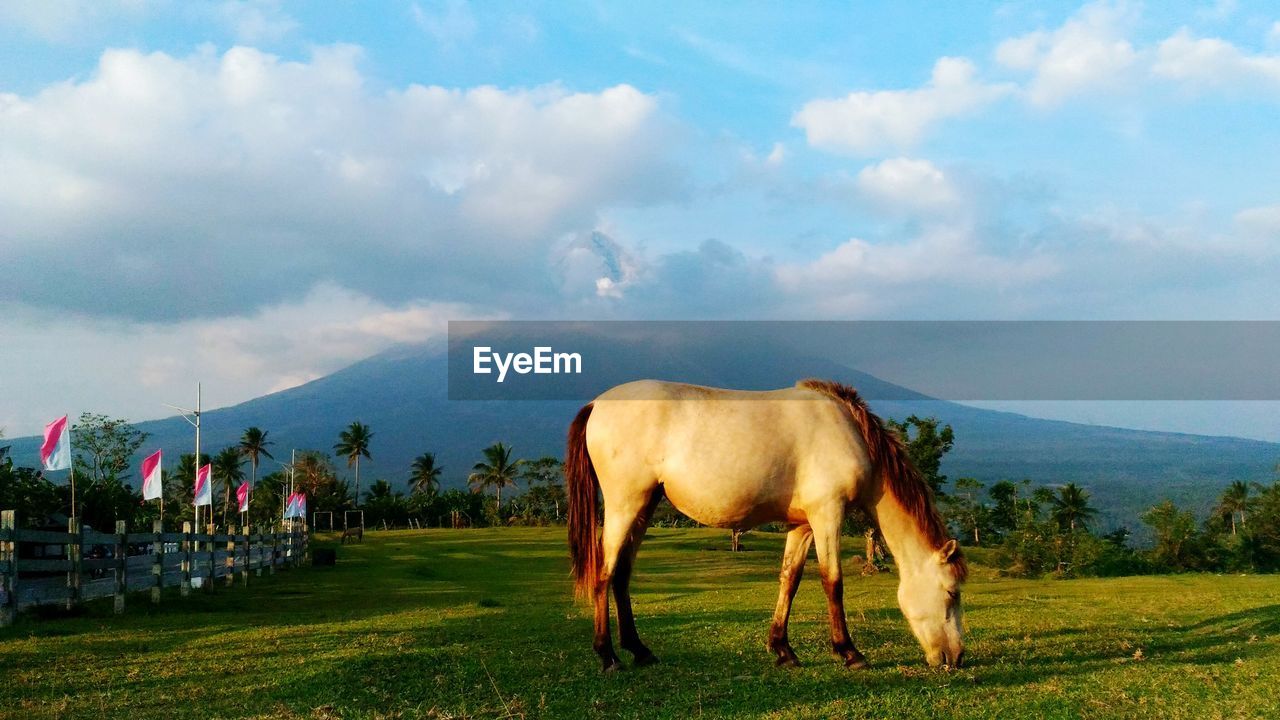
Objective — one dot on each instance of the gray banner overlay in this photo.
(889, 360)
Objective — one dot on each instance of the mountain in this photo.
(403, 395)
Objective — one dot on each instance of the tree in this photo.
(497, 470)
(253, 445)
(1264, 531)
(104, 447)
(1175, 532)
(926, 447)
(383, 504)
(312, 471)
(1235, 500)
(228, 469)
(1002, 516)
(545, 479)
(314, 475)
(968, 508)
(1071, 507)
(353, 443)
(180, 485)
(424, 475)
(30, 493)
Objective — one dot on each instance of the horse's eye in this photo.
(953, 596)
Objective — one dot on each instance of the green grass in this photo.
(480, 623)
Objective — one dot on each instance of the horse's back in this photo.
(730, 458)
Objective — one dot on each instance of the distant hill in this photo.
(402, 394)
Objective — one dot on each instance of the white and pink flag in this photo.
(204, 490)
(242, 495)
(55, 451)
(291, 506)
(152, 470)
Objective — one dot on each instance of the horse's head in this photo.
(929, 596)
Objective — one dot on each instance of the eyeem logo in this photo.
(543, 361)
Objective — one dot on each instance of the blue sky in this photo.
(256, 193)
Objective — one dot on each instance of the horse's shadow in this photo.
(1219, 639)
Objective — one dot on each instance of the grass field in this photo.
(480, 623)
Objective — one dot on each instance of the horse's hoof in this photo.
(857, 663)
(790, 661)
(643, 660)
(612, 668)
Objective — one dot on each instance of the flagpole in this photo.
(196, 462)
(197, 475)
(293, 474)
(72, 454)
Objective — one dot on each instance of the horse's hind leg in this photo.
(627, 635)
(620, 519)
(826, 536)
(798, 541)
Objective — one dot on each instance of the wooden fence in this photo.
(45, 567)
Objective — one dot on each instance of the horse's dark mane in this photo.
(889, 455)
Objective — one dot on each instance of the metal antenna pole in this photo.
(196, 463)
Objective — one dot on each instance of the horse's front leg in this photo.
(826, 536)
(793, 557)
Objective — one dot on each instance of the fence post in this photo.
(231, 555)
(213, 569)
(273, 550)
(186, 558)
(9, 556)
(122, 564)
(157, 561)
(75, 549)
(248, 556)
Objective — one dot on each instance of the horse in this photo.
(802, 456)
(356, 532)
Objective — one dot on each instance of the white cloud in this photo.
(945, 254)
(158, 175)
(137, 366)
(64, 20)
(1261, 223)
(253, 21)
(908, 186)
(1211, 62)
(1219, 11)
(1088, 52)
(448, 22)
(777, 155)
(866, 123)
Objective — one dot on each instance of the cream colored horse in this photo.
(801, 456)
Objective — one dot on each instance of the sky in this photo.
(255, 193)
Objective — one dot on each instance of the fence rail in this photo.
(48, 567)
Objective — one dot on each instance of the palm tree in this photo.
(1071, 506)
(379, 490)
(253, 444)
(228, 468)
(424, 474)
(498, 471)
(353, 443)
(1235, 500)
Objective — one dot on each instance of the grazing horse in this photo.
(353, 532)
(802, 456)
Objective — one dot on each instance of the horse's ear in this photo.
(948, 551)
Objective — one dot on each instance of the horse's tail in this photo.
(582, 485)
